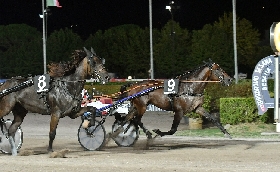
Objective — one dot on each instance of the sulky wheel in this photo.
(94, 138)
(5, 146)
(128, 136)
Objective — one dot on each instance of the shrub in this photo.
(241, 110)
(242, 89)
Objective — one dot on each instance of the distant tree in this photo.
(172, 51)
(248, 38)
(213, 43)
(125, 48)
(216, 42)
(97, 42)
(61, 43)
(20, 50)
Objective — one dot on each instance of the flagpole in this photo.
(44, 38)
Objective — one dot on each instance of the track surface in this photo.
(163, 154)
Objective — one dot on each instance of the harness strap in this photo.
(16, 88)
(1, 125)
(171, 100)
(43, 95)
(45, 101)
(192, 94)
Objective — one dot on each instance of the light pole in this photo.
(44, 17)
(234, 40)
(44, 38)
(151, 71)
(172, 7)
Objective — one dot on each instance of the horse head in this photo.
(218, 74)
(96, 66)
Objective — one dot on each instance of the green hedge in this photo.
(103, 89)
(241, 90)
(242, 110)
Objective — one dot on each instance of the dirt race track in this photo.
(165, 154)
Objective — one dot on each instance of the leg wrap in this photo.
(13, 146)
(213, 120)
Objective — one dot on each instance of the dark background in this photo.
(87, 16)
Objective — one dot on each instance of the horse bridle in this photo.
(95, 67)
(217, 72)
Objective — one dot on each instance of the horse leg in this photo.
(203, 112)
(137, 120)
(82, 111)
(141, 109)
(136, 117)
(19, 113)
(176, 121)
(52, 133)
(123, 120)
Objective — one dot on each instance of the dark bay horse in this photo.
(63, 98)
(188, 99)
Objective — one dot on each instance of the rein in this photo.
(197, 81)
(161, 81)
(70, 81)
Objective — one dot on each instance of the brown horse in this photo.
(188, 99)
(63, 98)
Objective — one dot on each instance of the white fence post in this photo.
(276, 94)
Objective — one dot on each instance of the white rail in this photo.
(153, 108)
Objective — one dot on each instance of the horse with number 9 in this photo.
(189, 97)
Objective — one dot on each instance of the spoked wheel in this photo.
(128, 136)
(93, 138)
(5, 146)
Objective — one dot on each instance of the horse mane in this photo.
(123, 87)
(66, 68)
(189, 73)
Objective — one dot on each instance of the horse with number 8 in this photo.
(189, 97)
(62, 98)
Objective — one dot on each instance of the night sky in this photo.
(88, 16)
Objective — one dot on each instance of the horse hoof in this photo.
(149, 135)
(157, 131)
(14, 153)
(228, 136)
(156, 136)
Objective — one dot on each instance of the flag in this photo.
(53, 3)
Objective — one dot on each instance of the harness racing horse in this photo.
(63, 98)
(188, 99)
